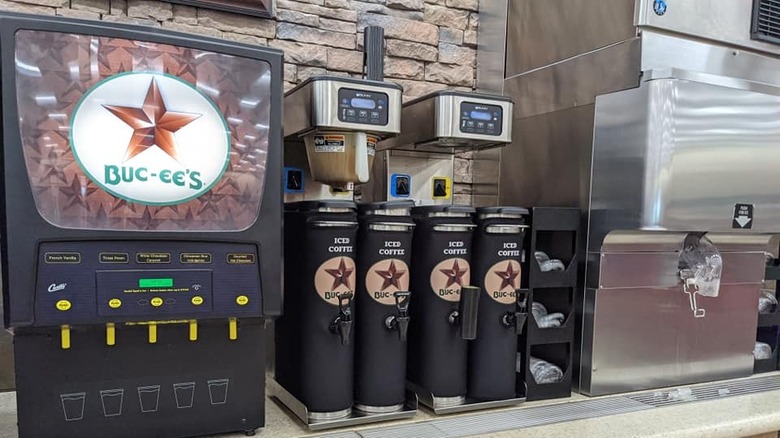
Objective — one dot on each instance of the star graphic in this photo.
(340, 275)
(454, 275)
(391, 276)
(508, 276)
(152, 124)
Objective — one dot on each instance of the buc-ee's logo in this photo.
(150, 138)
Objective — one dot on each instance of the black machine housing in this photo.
(210, 385)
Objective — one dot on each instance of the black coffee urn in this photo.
(443, 311)
(384, 251)
(314, 340)
(497, 252)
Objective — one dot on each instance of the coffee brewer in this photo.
(141, 246)
(449, 306)
(332, 125)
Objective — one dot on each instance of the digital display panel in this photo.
(481, 115)
(150, 283)
(363, 103)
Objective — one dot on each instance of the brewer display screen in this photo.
(481, 115)
(360, 106)
(477, 118)
(363, 103)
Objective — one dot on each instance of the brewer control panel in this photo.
(360, 106)
(112, 281)
(477, 118)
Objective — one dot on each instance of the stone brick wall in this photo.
(431, 44)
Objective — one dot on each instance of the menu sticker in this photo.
(330, 143)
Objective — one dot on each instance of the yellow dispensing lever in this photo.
(152, 332)
(193, 330)
(233, 329)
(110, 334)
(65, 337)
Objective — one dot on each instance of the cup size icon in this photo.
(112, 401)
(185, 394)
(149, 398)
(73, 405)
(218, 391)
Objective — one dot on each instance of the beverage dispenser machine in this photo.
(140, 226)
(449, 304)
(332, 125)
(418, 164)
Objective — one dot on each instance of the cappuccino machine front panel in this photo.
(141, 252)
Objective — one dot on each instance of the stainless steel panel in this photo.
(548, 162)
(491, 46)
(649, 338)
(655, 241)
(718, 20)
(678, 155)
(433, 125)
(315, 106)
(485, 168)
(621, 270)
(660, 51)
(543, 32)
(577, 81)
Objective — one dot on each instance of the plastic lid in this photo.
(319, 205)
(428, 210)
(385, 205)
(503, 210)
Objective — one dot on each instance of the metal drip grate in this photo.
(519, 418)
(766, 21)
(711, 391)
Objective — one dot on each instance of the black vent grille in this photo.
(766, 21)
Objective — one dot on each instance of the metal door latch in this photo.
(691, 289)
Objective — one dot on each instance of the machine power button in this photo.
(197, 300)
(242, 300)
(63, 305)
(156, 301)
(114, 303)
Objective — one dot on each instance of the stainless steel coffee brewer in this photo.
(332, 125)
(445, 313)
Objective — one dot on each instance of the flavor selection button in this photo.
(153, 257)
(156, 301)
(195, 258)
(197, 300)
(240, 258)
(113, 257)
(54, 258)
(115, 303)
(63, 305)
(242, 300)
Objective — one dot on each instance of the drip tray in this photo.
(429, 401)
(354, 419)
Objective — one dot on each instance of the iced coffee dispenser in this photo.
(332, 125)
(446, 311)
